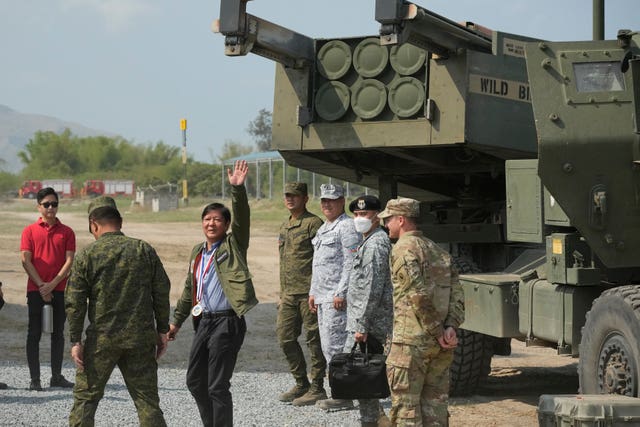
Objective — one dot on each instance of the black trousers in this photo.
(34, 332)
(211, 362)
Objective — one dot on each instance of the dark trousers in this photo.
(34, 332)
(211, 362)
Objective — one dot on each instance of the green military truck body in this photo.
(524, 155)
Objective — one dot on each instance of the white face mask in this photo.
(362, 224)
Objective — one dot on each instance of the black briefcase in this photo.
(358, 375)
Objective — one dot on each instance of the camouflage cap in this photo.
(296, 188)
(331, 191)
(365, 203)
(402, 207)
(100, 202)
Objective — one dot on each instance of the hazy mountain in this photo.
(16, 129)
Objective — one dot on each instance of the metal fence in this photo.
(271, 173)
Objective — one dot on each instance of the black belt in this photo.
(217, 314)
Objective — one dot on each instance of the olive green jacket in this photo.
(296, 253)
(230, 263)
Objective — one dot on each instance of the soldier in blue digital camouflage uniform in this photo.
(370, 295)
(335, 246)
(121, 283)
(428, 304)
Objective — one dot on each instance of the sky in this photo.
(136, 67)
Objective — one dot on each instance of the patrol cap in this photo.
(401, 206)
(101, 202)
(331, 191)
(365, 203)
(296, 188)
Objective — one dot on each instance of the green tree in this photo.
(52, 154)
(204, 179)
(9, 183)
(260, 129)
(232, 149)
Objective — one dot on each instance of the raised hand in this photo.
(239, 173)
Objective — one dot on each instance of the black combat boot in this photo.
(60, 381)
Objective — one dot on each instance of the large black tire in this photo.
(610, 347)
(471, 362)
(472, 357)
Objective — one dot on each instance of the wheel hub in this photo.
(616, 368)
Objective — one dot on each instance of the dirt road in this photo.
(509, 398)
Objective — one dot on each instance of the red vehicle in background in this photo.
(64, 187)
(93, 188)
(30, 189)
(113, 187)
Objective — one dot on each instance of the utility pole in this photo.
(185, 190)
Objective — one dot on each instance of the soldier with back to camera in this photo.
(122, 286)
(428, 307)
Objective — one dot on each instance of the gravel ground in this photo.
(254, 397)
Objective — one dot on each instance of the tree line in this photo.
(50, 155)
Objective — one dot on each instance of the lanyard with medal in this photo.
(201, 274)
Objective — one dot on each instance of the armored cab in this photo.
(523, 153)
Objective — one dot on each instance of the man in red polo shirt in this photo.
(46, 249)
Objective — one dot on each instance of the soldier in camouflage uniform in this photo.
(296, 256)
(121, 283)
(428, 307)
(370, 295)
(335, 245)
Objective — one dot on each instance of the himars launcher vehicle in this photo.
(524, 153)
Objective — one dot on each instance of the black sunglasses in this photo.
(46, 205)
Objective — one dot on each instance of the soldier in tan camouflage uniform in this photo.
(428, 307)
(296, 257)
(121, 283)
(370, 295)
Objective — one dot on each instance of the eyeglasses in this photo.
(48, 205)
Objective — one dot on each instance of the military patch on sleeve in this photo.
(222, 257)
